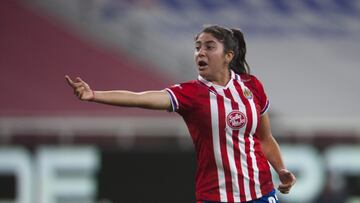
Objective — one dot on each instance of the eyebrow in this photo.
(206, 42)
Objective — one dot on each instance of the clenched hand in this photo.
(287, 181)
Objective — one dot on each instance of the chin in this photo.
(204, 75)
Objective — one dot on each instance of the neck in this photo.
(223, 78)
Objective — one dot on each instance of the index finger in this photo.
(70, 82)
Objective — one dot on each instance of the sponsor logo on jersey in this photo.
(236, 119)
(247, 93)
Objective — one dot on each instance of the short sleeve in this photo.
(181, 97)
(262, 96)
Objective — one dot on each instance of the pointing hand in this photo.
(81, 89)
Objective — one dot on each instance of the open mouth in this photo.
(202, 63)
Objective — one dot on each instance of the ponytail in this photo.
(239, 64)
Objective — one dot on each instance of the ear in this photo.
(229, 56)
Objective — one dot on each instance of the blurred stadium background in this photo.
(56, 149)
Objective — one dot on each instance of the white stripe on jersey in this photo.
(251, 139)
(252, 152)
(266, 108)
(174, 101)
(216, 143)
(230, 150)
(243, 157)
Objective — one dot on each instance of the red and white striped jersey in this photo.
(222, 122)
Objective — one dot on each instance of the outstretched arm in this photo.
(271, 150)
(150, 99)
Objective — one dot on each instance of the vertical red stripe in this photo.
(235, 137)
(259, 163)
(265, 178)
(223, 145)
(246, 137)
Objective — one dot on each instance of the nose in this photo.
(201, 52)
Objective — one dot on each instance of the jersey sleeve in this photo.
(181, 97)
(262, 96)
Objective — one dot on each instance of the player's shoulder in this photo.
(250, 79)
(191, 84)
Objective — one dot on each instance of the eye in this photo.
(197, 48)
(210, 47)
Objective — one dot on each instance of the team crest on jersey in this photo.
(236, 119)
(247, 93)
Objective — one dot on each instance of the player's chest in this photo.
(233, 106)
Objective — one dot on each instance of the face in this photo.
(210, 58)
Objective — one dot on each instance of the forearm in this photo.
(272, 152)
(148, 99)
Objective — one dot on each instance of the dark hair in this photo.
(233, 40)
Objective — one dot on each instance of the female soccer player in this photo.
(225, 110)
